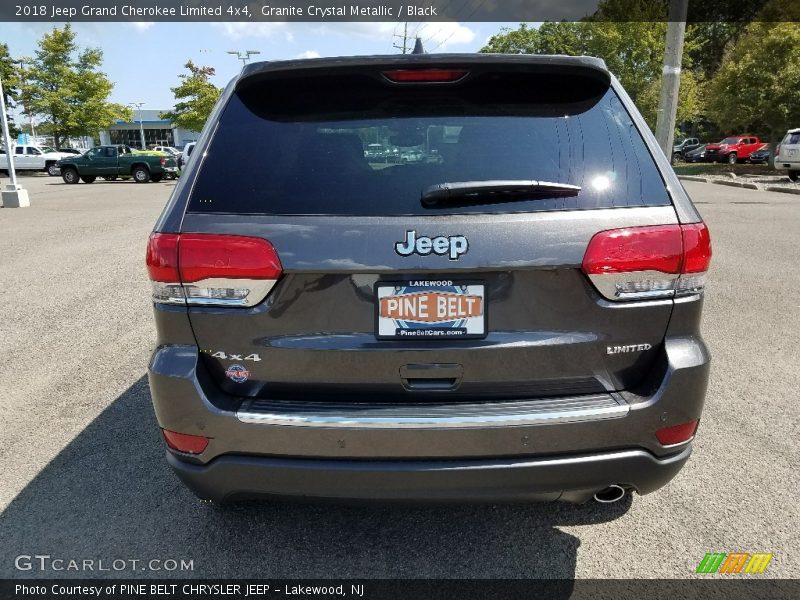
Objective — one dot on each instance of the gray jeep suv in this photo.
(512, 315)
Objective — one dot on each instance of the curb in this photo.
(693, 178)
(739, 184)
(774, 188)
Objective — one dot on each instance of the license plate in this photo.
(430, 309)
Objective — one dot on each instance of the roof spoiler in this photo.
(582, 66)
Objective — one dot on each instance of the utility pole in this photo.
(671, 76)
(244, 55)
(404, 37)
(13, 195)
(139, 106)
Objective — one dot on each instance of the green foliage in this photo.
(9, 74)
(757, 87)
(691, 99)
(706, 43)
(550, 38)
(197, 97)
(524, 40)
(741, 69)
(64, 86)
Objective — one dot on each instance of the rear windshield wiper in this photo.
(457, 193)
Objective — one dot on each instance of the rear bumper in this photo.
(537, 449)
(572, 478)
(786, 164)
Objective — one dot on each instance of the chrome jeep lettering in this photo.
(452, 246)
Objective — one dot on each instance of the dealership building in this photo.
(157, 131)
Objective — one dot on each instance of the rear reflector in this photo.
(211, 269)
(655, 261)
(677, 434)
(184, 442)
(425, 75)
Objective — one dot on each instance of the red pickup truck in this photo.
(733, 149)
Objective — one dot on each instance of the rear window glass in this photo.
(288, 148)
(791, 138)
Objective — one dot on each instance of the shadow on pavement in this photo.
(109, 494)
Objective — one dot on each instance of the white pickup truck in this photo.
(33, 158)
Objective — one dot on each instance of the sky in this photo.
(144, 59)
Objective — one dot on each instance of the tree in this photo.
(197, 97)
(757, 87)
(9, 75)
(64, 85)
(560, 37)
(628, 35)
(691, 105)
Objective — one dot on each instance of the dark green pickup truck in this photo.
(111, 162)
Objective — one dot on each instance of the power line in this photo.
(457, 23)
(444, 8)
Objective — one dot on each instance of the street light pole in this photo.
(671, 77)
(138, 106)
(13, 195)
(243, 55)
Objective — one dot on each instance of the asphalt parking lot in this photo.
(81, 460)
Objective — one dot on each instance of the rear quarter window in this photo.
(373, 153)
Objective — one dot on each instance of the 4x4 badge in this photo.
(453, 246)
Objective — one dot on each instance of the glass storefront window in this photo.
(152, 137)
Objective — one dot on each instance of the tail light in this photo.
(163, 160)
(425, 75)
(184, 442)
(677, 434)
(210, 269)
(658, 261)
(778, 150)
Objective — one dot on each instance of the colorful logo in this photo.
(735, 562)
(237, 373)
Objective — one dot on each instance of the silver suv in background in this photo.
(787, 154)
(517, 320)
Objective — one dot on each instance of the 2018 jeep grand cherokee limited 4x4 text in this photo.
(516, 319)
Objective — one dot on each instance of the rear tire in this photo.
(732, 158)
(794, 175)
(53, 170)
(156, 178)
(88, 178)
(677, 157)
(141, 174)
(70, 175)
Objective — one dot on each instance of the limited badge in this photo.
(237, 373)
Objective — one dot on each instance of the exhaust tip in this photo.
(611, 494)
